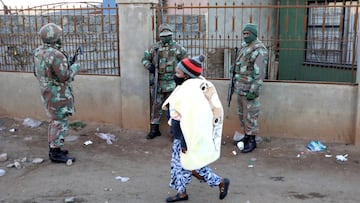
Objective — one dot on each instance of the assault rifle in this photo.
(231, 84)
(78, 51)
(156, 80)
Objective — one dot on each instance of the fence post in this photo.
(136, 35)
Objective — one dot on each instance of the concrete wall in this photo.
(298, 110)
(97, 98)
(308, 111)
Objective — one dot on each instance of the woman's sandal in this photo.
(224, 187)
(177, 198)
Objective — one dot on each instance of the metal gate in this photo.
(301, 36)
(92, 26)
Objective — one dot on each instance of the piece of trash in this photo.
(2, 172)
(77, 125)
(106, 136)
(240, 145)
(69, 162)
(328, 155)
(17, 165)
(23, 160)
(31, 123)
(37, 161)
(107, 189)
(234, 152)
(237, 136)
(250, 164)
(3, 157)
(69, 199)
(12, 130)
(342, 157)
(122, 179)
(321, 144)
(88, 142)
(316, 146)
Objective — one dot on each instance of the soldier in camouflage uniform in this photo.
(250, 71)
(170, 53)
(55, 74)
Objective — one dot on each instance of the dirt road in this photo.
(283, 170)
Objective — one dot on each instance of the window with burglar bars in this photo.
(329, 34)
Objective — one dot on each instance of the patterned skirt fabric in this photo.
(180, 177)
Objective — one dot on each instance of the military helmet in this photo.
(165, 30)
(50, 33)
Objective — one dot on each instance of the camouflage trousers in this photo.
(248, 111)
(57, 130)
(156, 111)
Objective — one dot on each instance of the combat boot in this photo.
(250, 145)
(56, 155)
(154, 131)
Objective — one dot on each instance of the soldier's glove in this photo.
(151, 68)
(251, 96)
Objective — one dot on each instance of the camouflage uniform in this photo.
(250, 71)
(170, 53)
(55, 74)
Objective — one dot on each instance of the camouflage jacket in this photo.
(55, 76)
(169, 56)
(250, 68)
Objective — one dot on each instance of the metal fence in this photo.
(91, 26)
(307, 40)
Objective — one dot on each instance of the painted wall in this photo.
(296, 110)
(292, 46)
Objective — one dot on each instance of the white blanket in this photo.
(197, 105)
